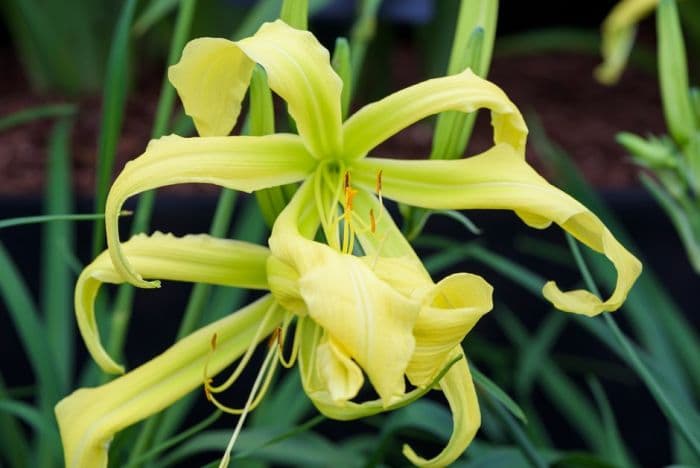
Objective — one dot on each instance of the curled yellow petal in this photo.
(501, 179)
(317, 387)
(343, 378)
(239, 163)
(213, 74)
(619, 29)
(464, 92)
(89, 417)
(450, 310)
(193, 258)
(466, 418)
(212, 78)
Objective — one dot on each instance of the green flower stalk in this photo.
(365, 307)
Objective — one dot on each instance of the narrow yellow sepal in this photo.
(89, 417)
(464, 92)
(239, 163)
(500, 179)
(193, 258)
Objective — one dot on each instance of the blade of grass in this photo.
(56, 278)
(673, 73)
(518, 434)
(14, 448)
(30, 328)
(155, 11)
(565, 396)
(494, 391)
(674, 414)
(184, 435)
(619, 454)
(44, 43)
(305, 449)
(529, 360)
(472, 48)
(114, 103)
(23, 220)
(35, 113)
(44, 427)
(679, 218)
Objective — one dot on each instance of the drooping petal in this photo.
(213, 74)
(317, 387)
(450, 310)
(466, 417)
(370, 321)
(193, 258)
(212, 78)
(89, 417)
(240, 163)
(501, 179)
(367, 319)
(619, 29)
(464, 92)
(341, 375)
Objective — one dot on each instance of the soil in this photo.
(578, 113)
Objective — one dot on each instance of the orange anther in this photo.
(372, 221)
(378, 186)
(213, 342)
(275, 337)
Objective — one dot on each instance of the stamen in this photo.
(288, 363)
(372, 221)
(274, 338)
(208, 387)
(225, 460)
(259, 396)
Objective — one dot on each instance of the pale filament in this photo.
(244, 360)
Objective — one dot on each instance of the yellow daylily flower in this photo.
(619, 29)
(365, 308)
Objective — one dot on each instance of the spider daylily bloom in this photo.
(619, 30)
(211, 79)
(377, 315)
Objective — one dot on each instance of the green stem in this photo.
(519, 436)
(35, 113)
(22, 220)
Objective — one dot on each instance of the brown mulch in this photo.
(579, 114)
